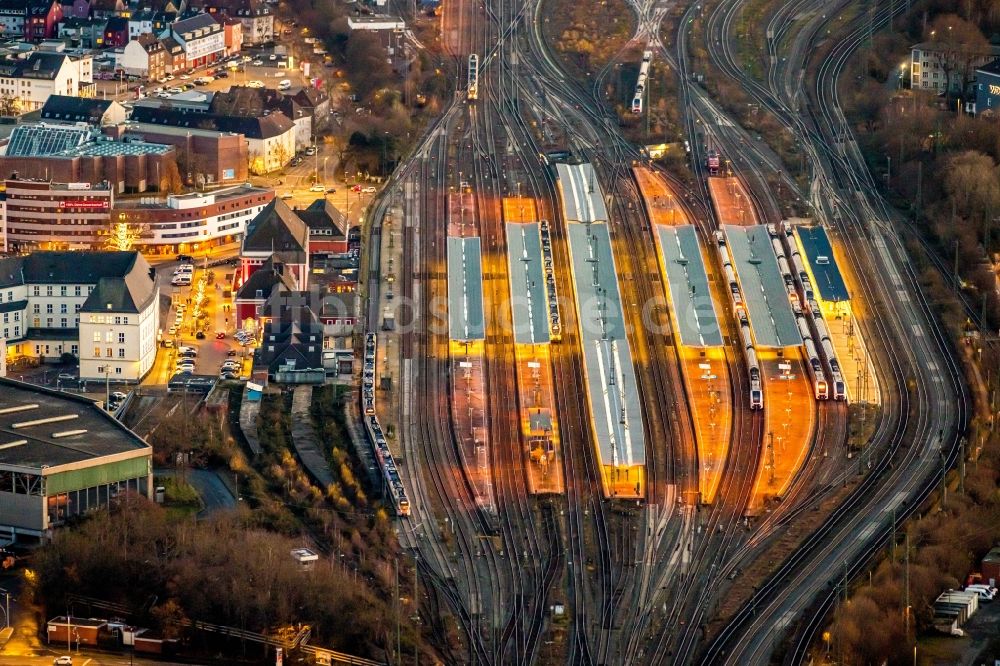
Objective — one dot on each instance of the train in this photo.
(555, 326)
(753, 366)
(825, 381)
(386, 463)
(473, 80)
(712, 161)
(640, 86)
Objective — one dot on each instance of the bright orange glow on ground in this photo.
(661, 203)
(519, 209)
(789, 420)
(705, 371)
(706, 378)
(538, 418)
(462, 215)
(624, 482)
(732, 205)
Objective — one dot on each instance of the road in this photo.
(215, 495)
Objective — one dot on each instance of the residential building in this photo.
(176, 60)
(42, 20)
(246, 102)
(116, 32)
(41, 215)
(144, 56)
(66, 457)
(87, 33)
(12, 16)
(255, 16)
(196, 221)
(201, 37)
(141, 23)
(233, 31)
(92, 111)
(936, 67)
(107, 8)
(76, 9)
(292, 351)
(64, 302)
(270, 138)
(31, 80)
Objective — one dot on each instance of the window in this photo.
(121, 338)
(118, 371)
(74, 349)
(121, 352)
(5, 318)
(110, 352)
(62, 290)
(37, 291)
(97, 336)
(97, 352)
(107, 336)
(76, 290)
(17, 316)
(118, 321)
(63, 322)
(76, 308)
(62, 308)
(48, 321)
(48, 290)
(125, 320)
(48, 308)
(35, 308)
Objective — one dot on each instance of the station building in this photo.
(62, 456)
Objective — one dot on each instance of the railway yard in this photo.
(605, 392)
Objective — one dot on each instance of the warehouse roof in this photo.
(527, 284)
(41, 428)
(826, 275)
(771, 318)
(465, 289)
(687, 280)
(581, 193)
(611, 382)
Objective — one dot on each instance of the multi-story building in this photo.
(79, 154)
(144, 56)
(201, 37)
(64, 457)
(12, 16)
(101, 307)
(192, 222)
(31, 80)
(940, 67)
(42, 215)
(87, 33)
(270, 138)
(204, 156)
(42, 20)
(255, 16)
(92, 111)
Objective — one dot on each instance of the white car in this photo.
(272, 57)
(172, 330)
(369, 190)
(257, 63)
(168, 77)
(185, 77)
(255, 84)
(187, 350)
(65, 660)
(317, 188)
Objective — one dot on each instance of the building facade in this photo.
(101, 307)
(202, 39)
(30, 81)
(192, 222)
(42, 215)
(934, 67)
(68, 458)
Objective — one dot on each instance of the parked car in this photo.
(63, 661)
(257, 63)
(200, 335)
(220, 335)
(287, 195)
(255, 84)
(317, 188)
(369, 190)
(118, 396)
(227, 376)
(232, 352)
(310, 151)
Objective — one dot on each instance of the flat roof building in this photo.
(687, 280)
(821, 264)
(581, 195)
(465, 289)
(771, 318)
(527, 284)
(62, 456)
